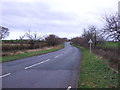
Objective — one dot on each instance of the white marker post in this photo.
(90, 42)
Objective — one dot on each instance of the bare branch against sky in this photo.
(65, 18)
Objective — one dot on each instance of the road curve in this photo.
(57, 69)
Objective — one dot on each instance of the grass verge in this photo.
(28, 54)
(94, 73)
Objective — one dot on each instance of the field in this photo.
(17, 49)
(28, 54)
(95, 73)
(109, 45)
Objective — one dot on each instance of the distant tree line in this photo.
(110, 31)
(91, 33)
(31, 40)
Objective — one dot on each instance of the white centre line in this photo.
(58, 55)
(5, 75)
(69, 88)
(37, 64)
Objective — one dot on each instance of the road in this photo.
(57, 69)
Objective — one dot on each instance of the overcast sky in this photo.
(65, 18)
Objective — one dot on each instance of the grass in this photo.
(28, 54)
(94, 73)
(109, 45)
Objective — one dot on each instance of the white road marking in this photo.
(55, 57)
(69, 88)
(5, 75)
(41, 62)
(58, 55)
(37, 64)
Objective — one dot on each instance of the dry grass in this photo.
(29, 50)
(28, 53)
(109, 54)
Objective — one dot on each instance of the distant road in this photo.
(57, 69)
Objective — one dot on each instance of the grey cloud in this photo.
(34, 16)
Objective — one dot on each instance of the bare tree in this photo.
(33, 38)
(21, 37)
(52, 40)
(4, 32)
(92, 33)
(76, 40)
(111, 28)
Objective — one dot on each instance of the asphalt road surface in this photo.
(58, 69)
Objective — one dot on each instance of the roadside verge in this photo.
(95, 73)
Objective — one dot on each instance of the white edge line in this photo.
(5, 75)
(36, 64)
